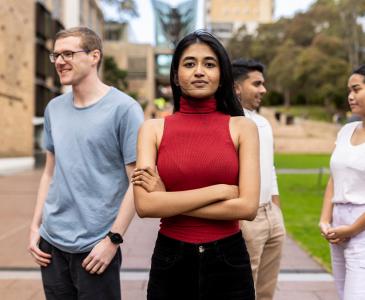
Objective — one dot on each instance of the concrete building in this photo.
(83, 13)
(17, 68)
(225, 17)
(137, 59)
(27, 78)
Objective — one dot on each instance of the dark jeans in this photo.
(65, 279)
(217, 270)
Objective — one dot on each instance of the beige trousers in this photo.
(264, 238)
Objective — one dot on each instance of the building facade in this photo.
(225, 17)
(136, 59)
(17, 69)
(28, 81)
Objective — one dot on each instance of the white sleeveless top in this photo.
(348, 167)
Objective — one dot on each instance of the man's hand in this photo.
(100, 256)
(148, 179)
(40, 257)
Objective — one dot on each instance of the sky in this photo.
(141, 29)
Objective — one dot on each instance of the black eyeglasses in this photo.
(66, 55)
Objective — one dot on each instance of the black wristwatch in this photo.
(115, 237)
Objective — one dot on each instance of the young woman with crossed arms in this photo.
(206, 154)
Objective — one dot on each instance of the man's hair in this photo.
(241, 67)
(89, 40)
(360, 70)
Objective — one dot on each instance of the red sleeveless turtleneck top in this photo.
(196, 151)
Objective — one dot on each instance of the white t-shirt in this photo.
(269, 184)
(348, 167)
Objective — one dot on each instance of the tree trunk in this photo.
(286, 97)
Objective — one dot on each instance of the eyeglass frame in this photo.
(53, 56)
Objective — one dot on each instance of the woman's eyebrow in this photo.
(189, 57)
(194, 58)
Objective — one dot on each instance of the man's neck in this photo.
(89, 91)
(249, 109)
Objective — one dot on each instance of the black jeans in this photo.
(216, 270)
(65, 279)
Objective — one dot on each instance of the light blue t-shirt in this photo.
(91, 145)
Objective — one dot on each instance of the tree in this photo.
(241, 43)
(350, 12)
(125, 9)
(281, 70)
(113, 75)
(309, 56)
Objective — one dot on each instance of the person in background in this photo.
(207, 156)
(342, 220)
(264, 235)
(84, 203)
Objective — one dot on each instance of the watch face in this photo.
(116, 238)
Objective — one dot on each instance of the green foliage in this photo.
(308, 57)
(273, 98)
(113, 75)
(301, 202)
(117, 77)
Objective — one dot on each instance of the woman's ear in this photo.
(237, 89)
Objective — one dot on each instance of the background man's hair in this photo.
(89, 39)
(241, 67)
(360, 70)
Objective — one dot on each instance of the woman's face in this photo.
(356, 97)
(199, 72)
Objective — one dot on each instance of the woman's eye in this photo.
(210, 65)
(189, 64)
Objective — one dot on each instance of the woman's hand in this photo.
(323, 226)
(148, 179)
(340, 234)
(336, 235)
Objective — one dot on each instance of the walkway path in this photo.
(304, 136)
(301, 278)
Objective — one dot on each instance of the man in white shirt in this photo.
(265, 235)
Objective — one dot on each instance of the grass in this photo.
(301, 161)
(301, 197)
(312, 112)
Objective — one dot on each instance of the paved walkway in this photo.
(301, 278)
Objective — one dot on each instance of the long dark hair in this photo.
(225, 95)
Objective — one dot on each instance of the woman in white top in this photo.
(342, 220)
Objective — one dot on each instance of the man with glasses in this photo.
(84, 202)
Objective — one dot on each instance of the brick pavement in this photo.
(17, 196)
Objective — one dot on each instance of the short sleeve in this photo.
(48, 140)
(345, 132)
(128, 132)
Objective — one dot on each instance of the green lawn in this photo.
(301, 198)
(313, 112)
(301, 161)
